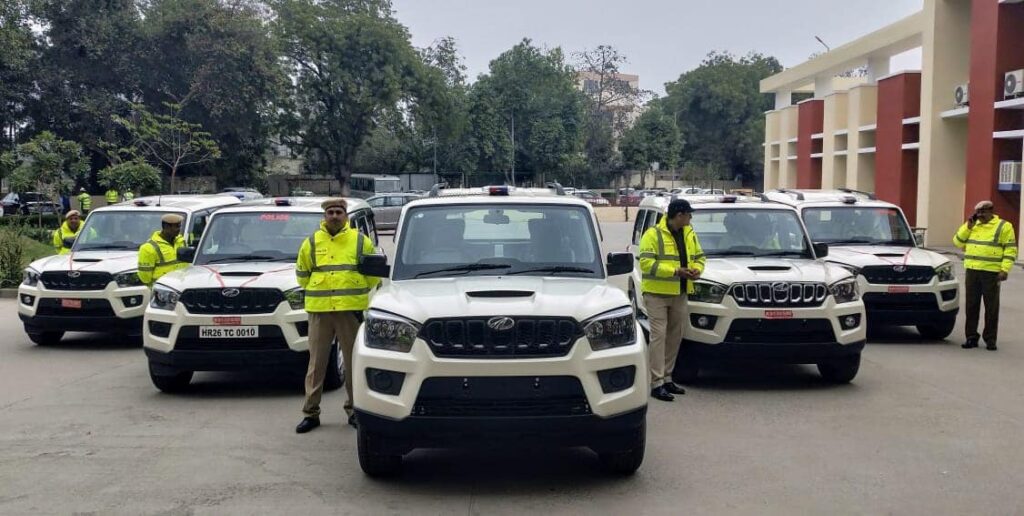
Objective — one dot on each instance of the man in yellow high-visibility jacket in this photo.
(111, 196)
(336, 295)
(670, 257)
(159, 255)
(990, 250)
(71, 227)
(84, 201)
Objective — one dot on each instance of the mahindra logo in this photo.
(230, 292)
(74, 274)
(780, 287)
(501, 323)
(900, 268)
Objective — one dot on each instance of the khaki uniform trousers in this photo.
(324, 327)
(667, 314)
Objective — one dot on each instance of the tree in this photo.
(131, 176)
(48, 165)
(350, 61)
(18, 55)
(654, 138)
(168, 140)
(720, 112)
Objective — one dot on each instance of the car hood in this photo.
(740, 270)
(98, 261)
(248, 274)
(863, 256)
(420, 300)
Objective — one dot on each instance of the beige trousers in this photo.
(324, 327)
(667, 316)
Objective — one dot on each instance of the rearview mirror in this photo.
(68, 242)
(820, 249)
(374, 265)
(186, 254)
(620, 263)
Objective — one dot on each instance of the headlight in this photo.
(611, 329)
(164, 298)
(296, 298)
(128, 279)
(388, 331)
(945, 272)
(853, 270)
(845, 291)
(708, 292)
(30, 278)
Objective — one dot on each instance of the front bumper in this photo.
(111, 310)
(910, 305)
(177, 361)
(799, 353)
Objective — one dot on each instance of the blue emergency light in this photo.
(498, 190)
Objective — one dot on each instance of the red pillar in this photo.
(810, 121)
(899, 97)
(996, 48)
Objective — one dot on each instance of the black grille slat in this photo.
(908, 301)
(85, 280)
(270, 338)
(779, 294)
(529, 337)
(248, 301)
(470, 397)
(790, 331)
(90, 308)
(906, 275)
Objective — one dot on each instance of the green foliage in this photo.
(131, 176)
(48, 165)
(12, 256)
(18, 55)
(49, 220)
(654, 138)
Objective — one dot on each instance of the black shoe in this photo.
(970, 344)
(352, 421)
(674, 388)
(990, 346)
(662, 394)
(307, 424)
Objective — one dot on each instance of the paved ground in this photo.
(926, 428)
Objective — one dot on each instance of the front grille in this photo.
(528, 337)
(898, 274)
(906, 302)
(270, 338)
(84, 280)
(789, 331)
(246, 301)
(517, 396)
(779, 294)
(90, 308)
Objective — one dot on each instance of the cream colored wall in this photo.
(862, 109)
(771, 150)
(787, 131)
(833, 168)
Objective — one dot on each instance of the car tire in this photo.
(937, 331)
(46, 338)
(373, 457)
(840, 370)
(171, 384)
(627, 459)
(335, 378)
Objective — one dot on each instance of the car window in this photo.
(870, 225)
(275, 235)
(376, 202)
(725, 232)
(638, 226)
(395, 200)
(198, 225)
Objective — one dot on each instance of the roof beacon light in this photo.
(498, 190)
(849, 199)
(730, 199)
(140, 202)
(282, 202)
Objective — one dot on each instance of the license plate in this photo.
(235, 332)
(898, 290)
(71, 303)
(778, 314)
(227, 321)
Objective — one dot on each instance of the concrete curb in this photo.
(8, 293)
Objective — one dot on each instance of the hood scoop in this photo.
(769, 268)
(87, 260)
(890, 255)
(500, 293)
(243, 274)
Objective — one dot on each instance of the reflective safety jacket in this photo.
(659, 259)
(988, 247)
(85, 200)
(327, 269)
(158, 257)
(64, 231)
(128, 196)
(111, 196)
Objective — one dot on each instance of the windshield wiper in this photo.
(554, 268)
(466, 268)
(245, 258)
(730, 253)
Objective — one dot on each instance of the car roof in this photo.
(802, 198)
(187, 203)
(482, 196)
(299, 204)
(702, 202)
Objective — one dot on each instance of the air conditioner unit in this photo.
(1013, 85)
(960, 96)
(1009, 176)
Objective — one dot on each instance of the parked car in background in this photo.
(387, 208)
(243, 194)
(713, 191)
(302, 193)
(591, 197)
(687, 190)
(28, 203)
(628, 197)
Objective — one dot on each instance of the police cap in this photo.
(334, 203)
(679, 206)
(72, 213)
(172, 218)
(983, 205)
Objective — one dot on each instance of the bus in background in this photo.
(368, 185)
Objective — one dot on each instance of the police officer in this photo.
(670, 259)
(71, 227)
(111, 196)
(84, 201)
(336, 296)
(990, 250)
(159, 255)
(129, 195)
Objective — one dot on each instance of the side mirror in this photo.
(186, 254)
(820, 249)
(620, 263)
(375, 265)
(919, 236)
(68, 242)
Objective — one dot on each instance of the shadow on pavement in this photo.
(763, 377)
(92, 342)
(243, 384)
(904, 335)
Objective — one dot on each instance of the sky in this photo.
(661, 38)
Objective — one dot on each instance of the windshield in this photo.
(254, 236)
(742, 232)
(542, 240)
(116, 230)
(858, 225)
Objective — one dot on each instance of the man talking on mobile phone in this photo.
(990, 250)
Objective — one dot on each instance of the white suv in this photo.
(239, 305)
(96, 287)
(499, 322)
(764, 295)
(902, 284)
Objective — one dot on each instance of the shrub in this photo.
(12, 254)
